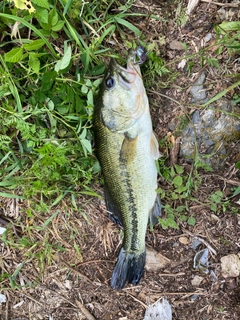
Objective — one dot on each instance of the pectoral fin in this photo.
(115, 215)
(154, 147)
(128, 150)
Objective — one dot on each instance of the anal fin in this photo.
(155, 212)
(115, 214)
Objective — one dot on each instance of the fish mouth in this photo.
(128, 75)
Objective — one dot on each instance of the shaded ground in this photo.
(74, 285)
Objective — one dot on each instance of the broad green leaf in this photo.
(90, 98)
(14, 55)
(34, 45)
(42, 15)
(34, 63)
(174, 196)
(53, 17)
(83, 134)
(191, 221)
(86, 146)
(179, 169)
(84, 89)
(64, 62)
(181, 208)
(236, 192)
(230, 25)
(48, 80)
(172, 224)
(58, 26)
(181, 189)
(214, 207)
(42, 3)
(177, 181)
(183, 217)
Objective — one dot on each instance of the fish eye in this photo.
(110, 82)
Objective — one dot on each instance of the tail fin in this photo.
(129, 267)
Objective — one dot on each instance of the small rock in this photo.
(195, 243)
(2, 298)
(2, 230)
(154, 260)
(184, 240)
(182, 64)
(68, 284)
(208, 37)
(196, 281)
(194, 297)
(213, 276)
(222, 13)
(230, 265)
(159, 311)
(197, 91)
(176, 45)
(215, 218)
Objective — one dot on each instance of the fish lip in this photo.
(129, 73)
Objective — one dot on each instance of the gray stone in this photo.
(211, 130)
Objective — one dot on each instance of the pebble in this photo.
(159, 311)
(230, 266)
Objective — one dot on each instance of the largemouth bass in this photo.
(126, 148)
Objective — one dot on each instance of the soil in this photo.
(76, 286)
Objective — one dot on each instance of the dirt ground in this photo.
(76, 286)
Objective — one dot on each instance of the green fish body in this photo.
(127, 149)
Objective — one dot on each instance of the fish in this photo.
(127, 150)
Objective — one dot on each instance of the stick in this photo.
(85, 311)
(234, 5)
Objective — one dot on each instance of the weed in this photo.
(181, 186)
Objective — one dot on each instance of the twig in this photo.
(175, 151)
(82, 276)
(85, 311)
(177, 263)
(203, 241)
(233, 182)
(171, 274)
(143, 304)
(93, 261)
(234, 5)
(31, 298)
(183, 293)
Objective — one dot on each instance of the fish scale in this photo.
(127, 149)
